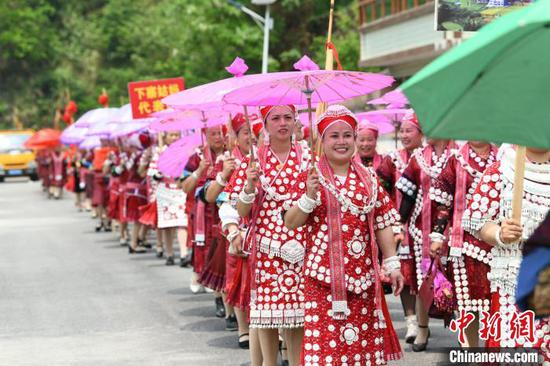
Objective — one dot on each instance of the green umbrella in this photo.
(493, 87)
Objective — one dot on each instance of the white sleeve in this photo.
(228, 215)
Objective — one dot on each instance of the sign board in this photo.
(145, 96)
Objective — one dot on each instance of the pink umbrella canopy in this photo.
(127, 128)
(101, 128)
(173, 160)
(178, 120)
(324, 85)
(124, 123)
(388, 116)
(383, 126)
(73, 135)
(96, 115)
(393, 99)
(210, 95)
(392, 116)
(91, 142)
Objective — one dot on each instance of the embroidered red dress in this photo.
(492, 202)
(204, 215)
(373, 161)
(276, 284)
(418, 211)
(114, 206)
(390, 169)
(57, 170)
(237, 279)
(469, 256)
(366, 335)
(134, 190)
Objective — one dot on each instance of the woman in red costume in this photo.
(389, 171)
(276, 254)
(58, 172)
(204, 166)
(419, 212)
(347, 215)
(488, 218)
(469, 257)
(367, 138)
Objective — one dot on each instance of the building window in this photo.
(371, 10)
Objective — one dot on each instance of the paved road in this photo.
(70, 296)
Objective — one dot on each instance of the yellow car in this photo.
(15, 159)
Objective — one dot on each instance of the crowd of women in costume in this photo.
(300, 247)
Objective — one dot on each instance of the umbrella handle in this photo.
(519, 173)
(250, 135)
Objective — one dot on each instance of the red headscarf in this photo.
(335, 113)
(412, 119)
(366, 125)
(268, 108)
(238, 121)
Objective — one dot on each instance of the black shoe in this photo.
(170, 261)
(220, 309)
(160, 254)
(231, 323)
(98, 227)
(244, 341)
(108, 228)
(185, 261)
(142, 243)
(420, 347)
(137, 250)
(284, 363)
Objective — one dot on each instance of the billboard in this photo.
(471, 15)
(145, 96)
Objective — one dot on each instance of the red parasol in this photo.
(43, 139)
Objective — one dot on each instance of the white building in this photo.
(400, 35)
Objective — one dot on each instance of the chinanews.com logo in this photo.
(490, 356)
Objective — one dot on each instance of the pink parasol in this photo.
(127, 128)
(96, 115)
(73, 135)
(383, 126)
(393, 99)
(322, 85)
(173, 160)
(91, 142)
(178, 120)
(391, 116)
(210, 95)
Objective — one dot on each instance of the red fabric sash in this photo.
(459, 202)
(200, 217)
(334, 213)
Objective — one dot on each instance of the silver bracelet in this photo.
(247, 198)
(391, 264)
(232, 235)
(306, 204)
(220, 180)
(499, 241)
(437, 237)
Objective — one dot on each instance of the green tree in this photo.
(51, 48)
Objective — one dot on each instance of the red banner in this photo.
(145, 96)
